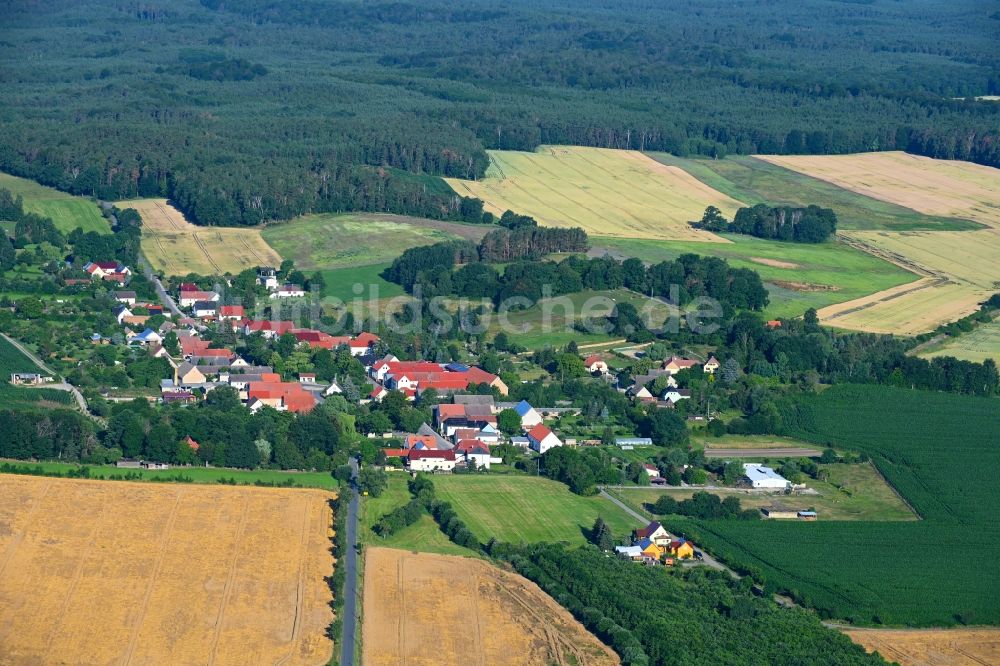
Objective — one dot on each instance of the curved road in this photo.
(63, 386)
(165, 298)
(350, 624)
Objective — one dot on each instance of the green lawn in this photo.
(12, 360)
(68, 212)
(339, 240)
(198, 474)
(751, 442)
(816, 275)
(755, 181)
(526, 509)
(340, 283)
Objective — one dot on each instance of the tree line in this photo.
(810, 224)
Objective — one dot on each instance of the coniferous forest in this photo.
(248, 110)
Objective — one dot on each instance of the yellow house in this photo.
(681, 549)
(650, 549)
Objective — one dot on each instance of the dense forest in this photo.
(248, 110)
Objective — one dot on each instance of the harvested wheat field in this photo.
(960, 269)
(613, 193)
(932, 647)
(176, 247)
(948, 188)
(112, 572)
(433, 610)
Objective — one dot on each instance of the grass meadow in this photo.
(526, 509)
(68, 212)
(335, 240)
(798, 275)
(977, 345)
(322, 480)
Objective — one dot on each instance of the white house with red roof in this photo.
(268, 329)
(108, 270)
(541, 438)
(187, 299)
(431, 460)
(289, 291)
(231, 312)
(474, 450)
(595, 363)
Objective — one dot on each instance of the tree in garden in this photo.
(373, 480)
(665, 505)
(600, 535)
(263, 449)
(665, 428)
(243, 454)
(509, 422)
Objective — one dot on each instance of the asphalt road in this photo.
(62, 386)
(350, 563)
(165, 298)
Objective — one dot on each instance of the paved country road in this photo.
(350, 562)
(165, 298)
(62, 386)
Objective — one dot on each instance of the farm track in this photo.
(230, 578)
(160, 554)
(201, 245)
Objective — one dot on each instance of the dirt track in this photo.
(112, 572)
(424, 609)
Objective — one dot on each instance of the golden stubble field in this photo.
(110, 572)
(437, 610)
(614, 193)
(949, 188)
(177, 247)
(957, 269)
(932, 647)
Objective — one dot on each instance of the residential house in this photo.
(675, 395)
(333, 389)
(204, 309)
(187, 374)
(681, 549)
(761, 476)
(529, 415)
(430, 460)
(377, 394)
(108, 270)
(650, 550)
(126, 297)
(147, 337)
(711, 365)
(267, 276)
(231, 312)
(651, 470)
(268, 329)
(655, 532)
(120, 312)
(639, 392)
(307, 378)
(288, 291)
(182, 397)
(187, 299)
(675, 364)
(282, 396)
(595, 363)
(480, 400)
(474, 451)
(542, 439)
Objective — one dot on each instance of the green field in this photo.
(535, 329)
(12, 360)
(424, 535)
(197, 474)
(340, 283)
(939, 452)
(329, 240)
(755, 181)
(67, 211)
(526, 509)
(977, 345)
(798, 275)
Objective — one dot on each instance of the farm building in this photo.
(761, 476)
(628, 443)
(289, 291)
(29, 378)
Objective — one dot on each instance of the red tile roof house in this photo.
(187, 299)
(542, 439)
(108, 270)
(595, 363)
(231, 312)
(476, 451)
(283, 396)
(269, 329)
